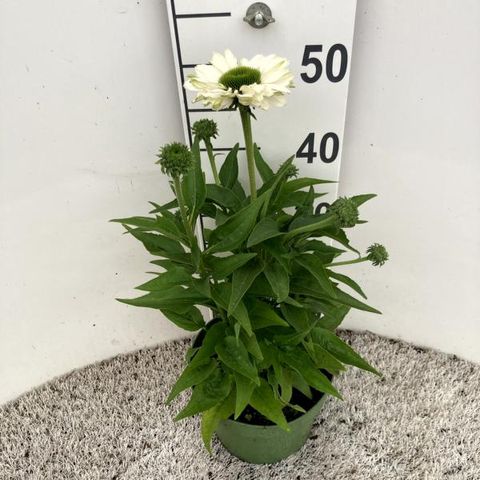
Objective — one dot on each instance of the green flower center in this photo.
(239, 76)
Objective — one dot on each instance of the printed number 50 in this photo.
(309, 59)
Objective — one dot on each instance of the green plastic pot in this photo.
(267, 444)
(264, 444)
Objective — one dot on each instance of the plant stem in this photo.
(208, 146)
(183, 210)
(247, 133)
(348, 262)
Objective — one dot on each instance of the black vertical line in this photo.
(180, 63)
(185, 101)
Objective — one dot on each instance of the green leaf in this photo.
(300, 361)
(252, 346)
(223, 266)
(238, 190)
(263, 400)
(240, 314)
(213, 390)
(333, 314)
(220, 218)
(169, 264)
(212, 417)
(325, 360)
(162, 225)
(298, 318)
(278, 251)
(189, 319)
(193, 184)
(326, 253)
(175, 276)
(308, 224)
(300, 384)
(183, 258)
(169, 298)
(214, 335)
(244, 390)
(229, 171)
(236, 229)
(298, 183)
(285, 380)
(242, 279)
(347, 299)
(263, 316)
(222, 196)
(192, 375)
(236, 329)
(279, 280)
(166, 206)
(234, 355)
(156, 244)
(339, 236)
(294, 199)
(314, 265)
(273, 382)
(209, 210)
(339, 349)
(263, 169)
(307, 207)
(293, 302)
(294, 338)
(145, 223)
(361, 199)
(303, 286)
(264, 229)
(221, 294)
(274, 184)
(261, 288)
(269, 353)
(202, 286)
(347, 281)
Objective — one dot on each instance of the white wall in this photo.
(88, 94)
(412, 136)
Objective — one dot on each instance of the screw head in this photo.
(258, 15)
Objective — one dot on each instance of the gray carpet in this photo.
(107, 421)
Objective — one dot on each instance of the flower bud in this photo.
(377, 254)
(292, 172)
(175, 159)
(205, 129)
(345, 211)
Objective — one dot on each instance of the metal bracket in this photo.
(258, 15)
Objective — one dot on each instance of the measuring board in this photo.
(315, 36)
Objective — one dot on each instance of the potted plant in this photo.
(260, 371)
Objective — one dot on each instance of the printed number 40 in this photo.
(328, 150)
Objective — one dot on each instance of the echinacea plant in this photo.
(266, 270)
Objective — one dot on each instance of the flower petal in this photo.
(224, 62)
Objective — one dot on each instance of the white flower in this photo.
(260, 82)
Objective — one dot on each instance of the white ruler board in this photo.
(316, 36)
